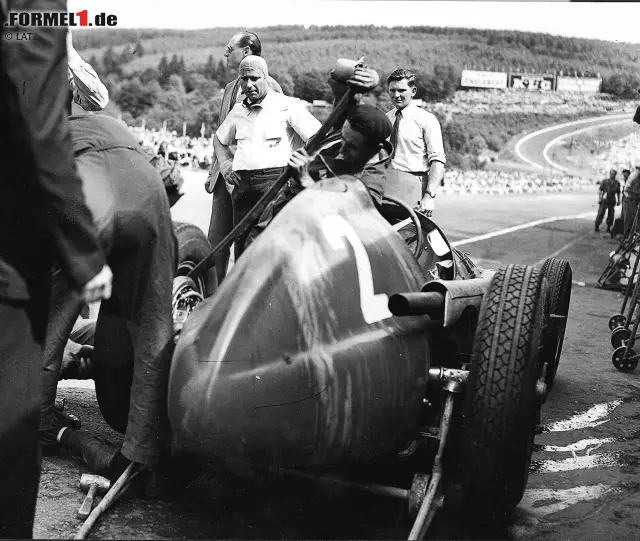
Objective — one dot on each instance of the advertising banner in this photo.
(526, 81)
(578, 84)
(483, 79)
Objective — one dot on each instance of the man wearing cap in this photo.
(609, 197)
(240, 45)
(263, 127)
(417, 163)
(364, 153)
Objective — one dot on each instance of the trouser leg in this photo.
(611, 212)
(253, 185)
(21, 342)
(65, 307)
(601, 210)
(220, 225)
(404, 186)
(143, 265)
(286, 194)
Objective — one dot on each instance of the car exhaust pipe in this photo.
(418, 304)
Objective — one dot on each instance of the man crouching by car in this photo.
(134, 329)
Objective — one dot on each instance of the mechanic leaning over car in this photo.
(43, 218)
(354, 148)
(417, 164)
(364, 140)
(240, 45)
(263, 127)
(134, 329)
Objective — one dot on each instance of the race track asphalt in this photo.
(531, 148)
(583, 483)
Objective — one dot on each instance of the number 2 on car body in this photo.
(375, 307)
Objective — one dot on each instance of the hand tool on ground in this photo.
(119, 488)
(93, 485)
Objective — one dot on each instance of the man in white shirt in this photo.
(240, 45)
(263, 127)
(418, 159)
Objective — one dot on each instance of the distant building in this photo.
(321, 103)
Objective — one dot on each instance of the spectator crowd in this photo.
(518, 101)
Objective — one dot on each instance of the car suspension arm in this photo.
(433, 499)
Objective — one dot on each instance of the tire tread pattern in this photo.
(500, 411)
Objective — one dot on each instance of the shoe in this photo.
(49, 435)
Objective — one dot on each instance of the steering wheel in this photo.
(416, 222)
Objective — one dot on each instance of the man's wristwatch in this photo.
(431, 195)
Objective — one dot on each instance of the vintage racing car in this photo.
(342, 335)
(349, 334)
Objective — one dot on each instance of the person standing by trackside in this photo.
(631, 198)
(418, 159)
(263, 127)
(240, 45)
(608, 198)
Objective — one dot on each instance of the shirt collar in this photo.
(261, 103)
(411, 104)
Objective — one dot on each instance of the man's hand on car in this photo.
(299, 162)
(427, 205)
(99, 287)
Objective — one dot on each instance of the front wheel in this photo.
(501, 403)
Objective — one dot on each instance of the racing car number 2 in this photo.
(375, 307)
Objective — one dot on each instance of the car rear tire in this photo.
(114, 377)
(501, 405)
(193, 247)
(559, 275)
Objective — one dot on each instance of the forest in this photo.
(175, 76)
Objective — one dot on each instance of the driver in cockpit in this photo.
(364, 152)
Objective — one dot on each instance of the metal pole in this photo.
(428, 509)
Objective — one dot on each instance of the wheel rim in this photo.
(619, 335)
(624, 363)
(616, 321)
(184, 268)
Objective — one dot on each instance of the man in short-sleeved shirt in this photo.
(240, 45)
(263, 127)
(609, 198)
(417, 164)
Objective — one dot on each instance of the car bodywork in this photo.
(336, 339)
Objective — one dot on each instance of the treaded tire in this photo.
(559, 275)
(193, 247)
(114, 380)
(501, 406)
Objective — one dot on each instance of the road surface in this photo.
(536, 149)
(583, 483)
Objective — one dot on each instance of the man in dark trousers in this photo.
(240, 45)
(43, 218)
(134, 330)
(609, 197)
